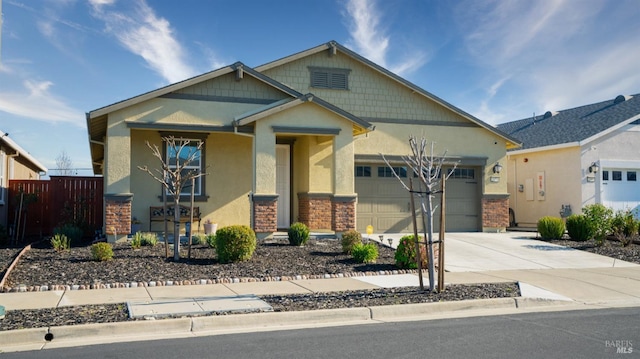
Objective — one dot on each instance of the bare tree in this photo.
(174, 175)
(427, 168)
(64, 164)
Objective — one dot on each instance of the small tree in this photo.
(64, 164)
(174, 175)
(427, 168)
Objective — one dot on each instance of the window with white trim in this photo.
(363, 171)
(187, 148)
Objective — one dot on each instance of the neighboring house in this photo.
(299, 139)
(15, 163)
(572, 158)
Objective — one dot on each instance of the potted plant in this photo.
(136, 225)
(209, 227)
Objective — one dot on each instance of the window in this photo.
(363, 171)
(631, 176)
(605, 175)
(463, 173)
(329, 78)
(616, 175)
(387, 172)
(187, 148)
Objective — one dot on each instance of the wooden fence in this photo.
(36, 207)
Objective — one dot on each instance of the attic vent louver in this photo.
(621, 98)
(549, 114)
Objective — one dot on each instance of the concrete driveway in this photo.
(480, 252)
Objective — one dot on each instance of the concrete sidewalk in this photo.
(549, 276)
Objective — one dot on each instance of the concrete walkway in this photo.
(547, 274)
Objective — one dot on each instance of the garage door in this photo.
(620, 188)
(385, 204)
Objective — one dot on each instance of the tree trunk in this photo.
(176, 229)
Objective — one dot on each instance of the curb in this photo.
(141, 330)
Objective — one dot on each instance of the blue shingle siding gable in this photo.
(572, 125)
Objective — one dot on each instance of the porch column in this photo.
(265, 197)
(343, 203)
(117, 179)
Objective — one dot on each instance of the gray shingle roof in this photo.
(572, 125)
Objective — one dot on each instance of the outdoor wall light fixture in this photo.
(390, 241)
(497, 168)
(594, 168)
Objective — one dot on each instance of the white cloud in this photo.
(370, 39)
(145, 34)
(37, 102)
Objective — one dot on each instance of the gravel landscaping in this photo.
(41, 268)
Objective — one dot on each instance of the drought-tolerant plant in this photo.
(60, 242)
(298, 234)
(199, 239)
(136, 240)
(579, 227)
(551, 227)
(365, 253)
(73, 232)
(625, 227)
(235, 243)
(599, 218)
(149, 239)
(349, 239)
(210, 240)
(405, 255)
(101, 252)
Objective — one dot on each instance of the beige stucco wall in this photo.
(563, 176)
(228, 180)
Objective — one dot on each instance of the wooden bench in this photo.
(156, 214)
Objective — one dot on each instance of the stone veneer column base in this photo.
(265, 213)
(314, 210)
(117, 211)
(495, 213)
(343, 213)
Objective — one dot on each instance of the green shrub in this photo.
(349, 239)
(74, 233)
(365, 253)
(298, 234)
(149, 239)
(235, 243)
(136, 240)
(199, 239)
(101, 252)
(210, 240)
(579, 227)
(60, 242)
(551, 227)
(599, 218)
(625, 227)
(405, 255)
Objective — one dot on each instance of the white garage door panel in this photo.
(619, 189)
(385, 204)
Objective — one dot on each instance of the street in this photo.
(571, 334)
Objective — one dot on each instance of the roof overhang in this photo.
(19, 151)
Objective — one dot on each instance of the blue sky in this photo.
(498, 60)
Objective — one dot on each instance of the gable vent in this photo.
(621, 98)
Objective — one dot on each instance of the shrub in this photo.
(579, 228)
(349, 239)
(60, 242)
(136, 240)
(101, 252)
(599, 218)
(298, 234)
(149, 239)
(73, 232)
(551, 227)
(405, 255)
(624, 227)
(210, 239)
(199, 239)
(365, 253)
(235, 243)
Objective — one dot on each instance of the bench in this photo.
(156, 214)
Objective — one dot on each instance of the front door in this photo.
(283, 184)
